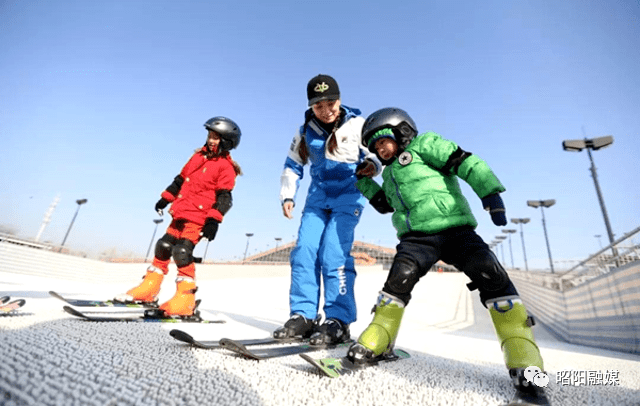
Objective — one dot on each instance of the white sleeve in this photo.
(293, 170)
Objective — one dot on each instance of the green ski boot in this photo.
(380, 336)
(513, 328)
(521, 353)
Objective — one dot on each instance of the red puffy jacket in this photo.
(203, 179)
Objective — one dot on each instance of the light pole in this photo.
(510, 231)
(495, 244)
(522, 221)
(501, 239)
(541, 204)
(80, 203)
(249, 235)
(594, 144)
(599, 242)
(157, 221)
(278, 239)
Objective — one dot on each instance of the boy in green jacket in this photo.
(434, 221)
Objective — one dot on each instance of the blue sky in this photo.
(105, 100)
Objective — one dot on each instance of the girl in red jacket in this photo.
(200, 196)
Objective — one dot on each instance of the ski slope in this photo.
(47, 357)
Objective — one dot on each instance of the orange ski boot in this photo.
(183, 303)
(147, 291)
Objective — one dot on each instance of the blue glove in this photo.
(495, 206)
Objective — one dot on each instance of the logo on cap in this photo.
(321, 87)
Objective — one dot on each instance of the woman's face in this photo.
(327, 111)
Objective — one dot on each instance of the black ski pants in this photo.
(461, 247)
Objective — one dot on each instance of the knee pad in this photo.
(164, 246)
(182, 253)
(403, 276)
(485, 272)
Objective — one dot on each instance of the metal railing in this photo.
(602, 262)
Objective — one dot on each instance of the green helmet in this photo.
(402, 125)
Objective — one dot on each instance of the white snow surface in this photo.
(48, 357)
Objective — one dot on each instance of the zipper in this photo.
(395, 183)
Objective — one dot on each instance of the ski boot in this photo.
(332, 331)
(147, 291)
(183, 303)
(513, 328)
(296, 326)
(378, 339)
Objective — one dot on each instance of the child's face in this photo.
(327, 111)
(386, 148)
(213, 140)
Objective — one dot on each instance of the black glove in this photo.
(162, 203)
(495, 206)
(210, 229)
(380, 203)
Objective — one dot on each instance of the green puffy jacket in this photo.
(425, 198)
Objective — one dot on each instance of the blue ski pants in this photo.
(322, 253)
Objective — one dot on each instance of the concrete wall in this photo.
(31, 261)
(604, 312)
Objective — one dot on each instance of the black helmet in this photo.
(403, 127)
(227, 129)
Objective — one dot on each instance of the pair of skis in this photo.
(150, 312)
(7, 307)
(330, 367)
(245, 347)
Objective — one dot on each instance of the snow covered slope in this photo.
(50, 358)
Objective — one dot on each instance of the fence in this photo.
(602, 312)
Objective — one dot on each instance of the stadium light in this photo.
(80, 203)
(157, 221)
(276, 254)
(594, 144)
(522, 221)
(510, 231)
(249, 235)
(500, 239)
(542, 204)
(599, 242)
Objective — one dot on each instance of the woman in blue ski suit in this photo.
(330, 140)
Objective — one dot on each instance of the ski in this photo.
(522, 398)
(187, 338)
(101, 303)
(139, 318)
(528, 393)
(11, 306)
(336, 367)
(273, 352)
(528, 399)
(4, 299)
